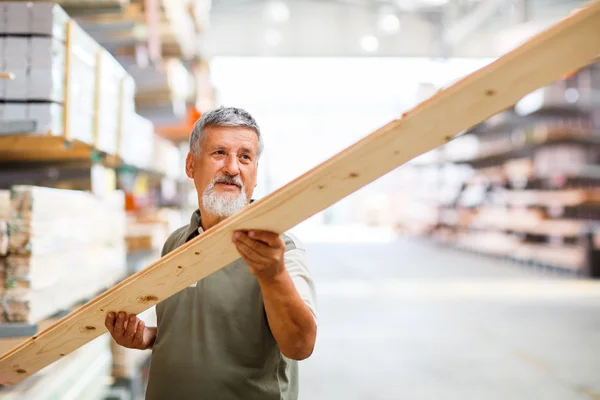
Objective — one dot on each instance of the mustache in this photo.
(232, 180)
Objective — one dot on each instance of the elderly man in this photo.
(238, 333)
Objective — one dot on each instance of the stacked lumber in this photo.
(81, 374)
(4, 214)
(33, 50)
(63, 246)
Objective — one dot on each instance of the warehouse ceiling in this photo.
(432, 28)
(166, 44)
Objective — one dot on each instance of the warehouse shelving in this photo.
(522, 186)
(93, 140)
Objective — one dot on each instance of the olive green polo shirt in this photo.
(213, 339)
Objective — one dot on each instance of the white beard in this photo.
(224, 205)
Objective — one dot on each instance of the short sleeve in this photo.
(297, 267)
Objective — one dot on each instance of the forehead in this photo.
(231, 137)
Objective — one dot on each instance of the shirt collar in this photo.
(194, 227)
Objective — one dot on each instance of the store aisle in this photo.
(409, 320)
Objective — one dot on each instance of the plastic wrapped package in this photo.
(137, 142)
(38, 65)
(111, 74)
(64, 246)
(82, 86)
(33, 18)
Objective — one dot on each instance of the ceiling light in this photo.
(434, 3)
(389, 23)
(273, 37)
(277, 11)
(369, 43)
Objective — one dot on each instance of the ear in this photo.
(189, 165)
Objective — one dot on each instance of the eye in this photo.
(246, 157)
(219, 152)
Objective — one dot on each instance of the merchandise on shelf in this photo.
(38, 65)
(63, 246)
(530, 189)
(109, 102)
(82, 75)
(4, 215)
(137, 142)
(167, 158)
(65, 84)
(37, 118)
(38, 18)
(33, 49)
(79, 375)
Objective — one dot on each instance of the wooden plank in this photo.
(25, 143)
(42, 148)
(568, 45)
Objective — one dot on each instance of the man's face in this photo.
(225, 169)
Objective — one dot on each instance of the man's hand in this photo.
(130, 332)
(263, 252)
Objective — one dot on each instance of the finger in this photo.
(260, 247)
(271, 239)
(251, 254)
(138, 339)
(120, 325)
(131, 326)
(109, 322)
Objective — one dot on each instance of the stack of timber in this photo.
(63, 246)
(64, 96)
(527, 188)
(79, 375)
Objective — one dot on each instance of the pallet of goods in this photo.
(65, 87)
(63, 246)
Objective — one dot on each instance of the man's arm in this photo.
(290, 319)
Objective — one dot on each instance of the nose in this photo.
(231, 166)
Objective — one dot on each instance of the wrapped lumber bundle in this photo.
(33, 49)
(137, 142)
(108, 102)
(25, 18)
(39, 46)
(63, 247)
(79, 375)
(4, 215)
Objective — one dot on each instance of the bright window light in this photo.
(273, 37)
(369, 43)
(389, 23)
(277, 11)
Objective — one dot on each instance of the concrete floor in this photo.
(409, 320)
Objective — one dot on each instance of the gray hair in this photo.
(223, 116)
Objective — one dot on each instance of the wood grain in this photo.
(570, 44)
